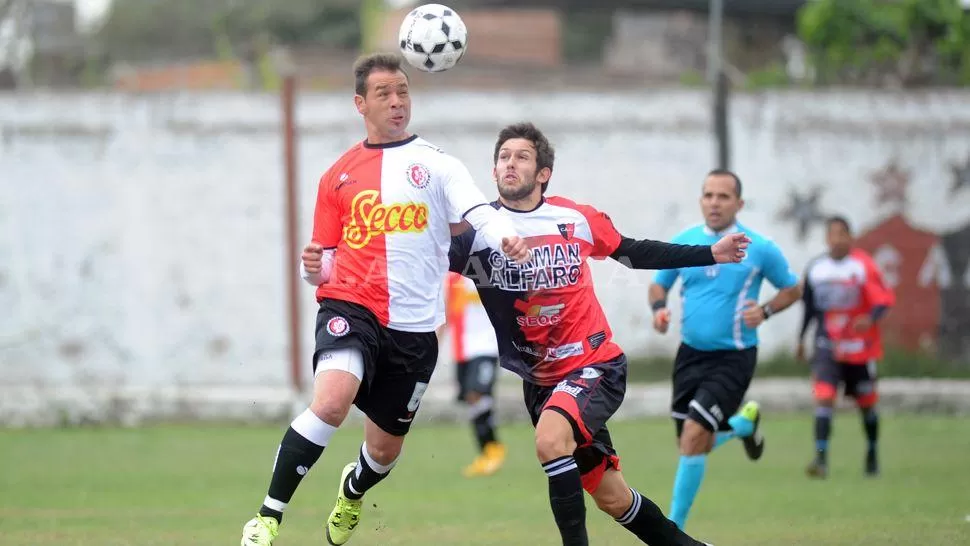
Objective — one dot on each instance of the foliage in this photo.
(905, 42)
(152, 29)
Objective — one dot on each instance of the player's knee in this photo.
(472, 397)
(695, 439)
(330, 412)
(613, 501)
(824, 393)
(866, 401)
(552, 444)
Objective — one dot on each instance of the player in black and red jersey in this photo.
(552, 332)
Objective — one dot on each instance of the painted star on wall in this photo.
(892, 185)
(803, 211)
(961, 176)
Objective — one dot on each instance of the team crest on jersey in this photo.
(338, 327)
(419, 176)
(567, 230)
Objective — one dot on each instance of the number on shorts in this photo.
(415, 401)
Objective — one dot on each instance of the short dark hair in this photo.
(370, 63)
(732, 174)
(838, 219)
(545, 153)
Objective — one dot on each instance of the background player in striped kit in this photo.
(846, 296)
(553, 333)
(718, 353)
(476, 361)
(381, 231)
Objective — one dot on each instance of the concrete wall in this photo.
(141, 237)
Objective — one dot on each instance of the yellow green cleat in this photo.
(260, 531)
(346, 513)
(754, 443)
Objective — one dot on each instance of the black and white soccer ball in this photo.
(433, 38)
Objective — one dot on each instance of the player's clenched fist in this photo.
(517, 249)
(313, 258)
(661, 320)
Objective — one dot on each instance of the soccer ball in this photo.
(433, 38)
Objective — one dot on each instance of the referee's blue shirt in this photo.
(713, 297)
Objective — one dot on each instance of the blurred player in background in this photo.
(476, 361)
(719, 345)
(847, 297)
(553, 333)
(378, 258)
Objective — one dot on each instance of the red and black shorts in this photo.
(587, 398)
(858, 379)
(397, 365)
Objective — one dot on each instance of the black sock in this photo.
(367, 474)
(645, 520)
(484, 428)
(823, 429)
(295, 458)
(566, 499)
(870, 421)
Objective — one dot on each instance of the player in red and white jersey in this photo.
(476, 360)
(846, 295)
(553, 333)
(378, 256)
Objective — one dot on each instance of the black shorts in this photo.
(587, 398)
(709, 386)
(859, 379)
(477, 375)
(397, 365)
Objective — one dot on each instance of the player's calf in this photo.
(637, 513)
(554, 447)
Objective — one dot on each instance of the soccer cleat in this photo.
(872, 465)
(488, 463)
(345, 516)
(817, 469)
(260, 531)
(754, 443)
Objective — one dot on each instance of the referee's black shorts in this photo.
(709, 386)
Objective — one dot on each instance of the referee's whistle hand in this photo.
(312, 257)
(753, 315)
(731, 248)
(517, 249)
(661, 320)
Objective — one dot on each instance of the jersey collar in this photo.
(733, 228)
(408, 140)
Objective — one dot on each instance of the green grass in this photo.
(896, 363)
(197, 485)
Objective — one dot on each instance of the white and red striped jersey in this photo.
(545, 312)
(837, 292)
(471, 332)
(386, 209)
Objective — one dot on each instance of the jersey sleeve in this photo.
(776, 268)
(606, 239)
(460, 192)
(327, 229)
(667, 277)
(877, 292)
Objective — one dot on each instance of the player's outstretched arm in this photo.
(647, 254)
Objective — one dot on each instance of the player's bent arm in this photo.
(782, 300)
(647, 254)
(492, 225)
(326, 267)
(810, 312)
(657, 296)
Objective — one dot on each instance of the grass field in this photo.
(197, 485)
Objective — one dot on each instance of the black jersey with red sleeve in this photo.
(546, 316)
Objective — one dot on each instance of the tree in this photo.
(880, 42)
